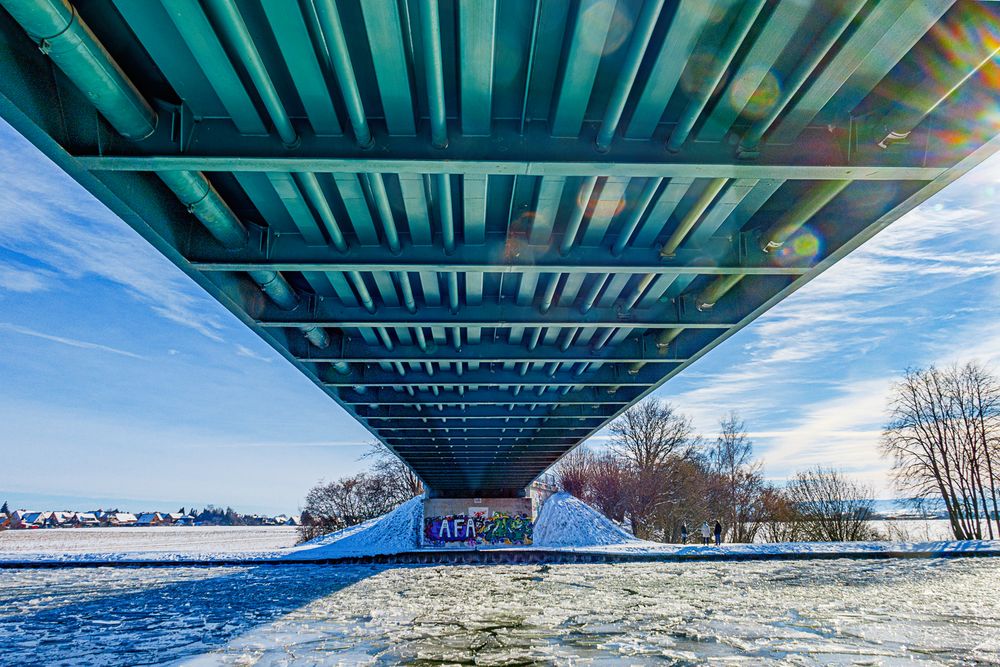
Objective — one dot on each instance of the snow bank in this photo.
(392, 533)
(567, 521)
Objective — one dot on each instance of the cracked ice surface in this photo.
(934, 611)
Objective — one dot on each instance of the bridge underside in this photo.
(486, 228)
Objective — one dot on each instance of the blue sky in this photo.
(121, 381)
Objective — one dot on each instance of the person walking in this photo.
(684, 533)
(718, 533)
(706, 533)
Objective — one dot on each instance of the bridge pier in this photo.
(464, 523)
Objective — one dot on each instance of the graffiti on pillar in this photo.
(464, 530)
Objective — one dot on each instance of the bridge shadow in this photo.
(132, 616)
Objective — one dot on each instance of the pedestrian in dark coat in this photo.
(684, 533)
(718, 533)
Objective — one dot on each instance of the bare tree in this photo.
(601, 479)
(651, 433)
(832, 507)
(741, 485)
(398, 481)
(782, 521)
(351, 500)
(944, 440)
(612, 486)
(574, 472)
(651, 439)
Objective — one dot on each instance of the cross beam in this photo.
(606, 375)
(216, 145)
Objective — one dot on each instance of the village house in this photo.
(178, 519)
(24, 519)
(150, 519)
(86, 520)
(59, 519)
(118, 519)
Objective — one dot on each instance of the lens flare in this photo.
(619, 29)
(763, 98)
(802, 247)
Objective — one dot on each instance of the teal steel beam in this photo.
(481, 428)
(340, 59)
(645, 23)
(719, 63)
(493, 397)
(471, 259)
(292, 35)
(197, 33)
(481, 425)
(465, 441)
(433, 410)
(438, 319)
(457, 439)
(593, 420)
(590, 27)
(476, 42)
(447, 455)
(402, 382)
(824, 44)
(690, 17)
(781, 27)
(357, 351)
(609, 375)
(384, 27)
(230, 21)
(430, 32)
(540, 161)
(330, 312)
(885, 34)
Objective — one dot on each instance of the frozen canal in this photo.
(816, 612)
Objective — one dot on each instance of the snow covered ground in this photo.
(220, 539)
(924, 612)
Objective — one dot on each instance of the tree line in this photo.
(657, 475)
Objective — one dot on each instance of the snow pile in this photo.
(392, 533)
(566, 521)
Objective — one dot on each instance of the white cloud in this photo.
(23, 280)
(812, 375)
(71, 342)
(244, 351)
(54, 221)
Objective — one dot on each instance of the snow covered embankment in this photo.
(392, 533)
(567, 521)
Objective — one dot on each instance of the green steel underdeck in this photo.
(486, 227)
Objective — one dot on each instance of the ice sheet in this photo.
(761, 613)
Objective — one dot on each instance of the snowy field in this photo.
(925, 612)
(219, 539)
